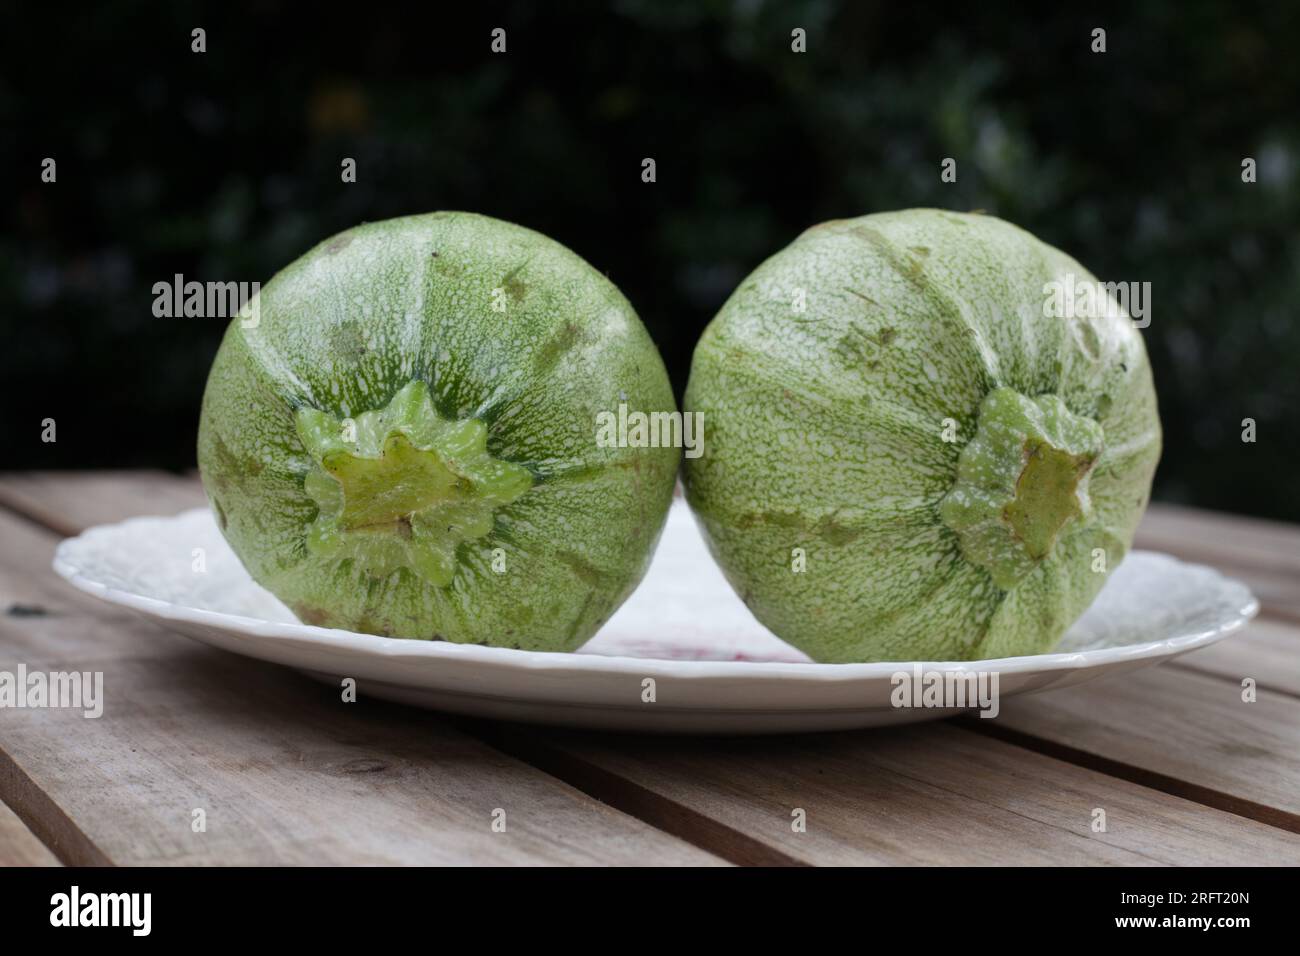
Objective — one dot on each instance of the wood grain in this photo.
(924, 794)
(284, 771)
(1176, 730)
(1184, 772)
(1208, 754)
(1266, 650)
(68, 502)
(18, 845)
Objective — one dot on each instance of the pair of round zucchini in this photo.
(904, 457)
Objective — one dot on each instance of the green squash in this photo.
(404, 443)
(919, 463)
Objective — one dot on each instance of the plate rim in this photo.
(560, 661)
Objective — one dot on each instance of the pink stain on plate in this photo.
(664, 651)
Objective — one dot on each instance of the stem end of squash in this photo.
(402, 486)
(1021, 482)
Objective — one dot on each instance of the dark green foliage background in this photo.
(225, 166)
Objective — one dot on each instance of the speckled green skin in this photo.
(347, 327)
(825, 431)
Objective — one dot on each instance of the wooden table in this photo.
(1185, 770)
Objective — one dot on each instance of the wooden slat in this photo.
(926, 794)
(1267, 651)
(1222, 770)
(1226, 537)
(1178, 730)
(945, 793)
(68, 502)
(285, 772)
(18, 845)
(1264, 554)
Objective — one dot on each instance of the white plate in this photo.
(715, 669)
